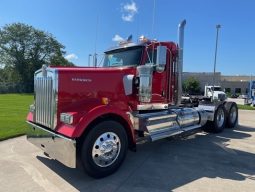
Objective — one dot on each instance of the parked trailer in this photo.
(96, 113)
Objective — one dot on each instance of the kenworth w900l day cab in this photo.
(95, 114)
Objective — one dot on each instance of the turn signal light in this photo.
(105, 101)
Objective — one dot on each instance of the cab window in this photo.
(123, 57)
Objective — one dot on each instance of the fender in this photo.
(77, 130)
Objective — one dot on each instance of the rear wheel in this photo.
(232, 114)
(219, 121)
(104, 149)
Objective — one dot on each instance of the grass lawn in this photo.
(13, 111)
(246, 107)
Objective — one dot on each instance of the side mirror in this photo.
(161, 58)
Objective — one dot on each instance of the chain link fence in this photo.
(16, 87)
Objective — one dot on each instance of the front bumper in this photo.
(56, 146)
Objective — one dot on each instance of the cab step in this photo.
(167, 123)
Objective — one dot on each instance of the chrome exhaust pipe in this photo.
(180, 60)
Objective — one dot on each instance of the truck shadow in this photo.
(171, 163)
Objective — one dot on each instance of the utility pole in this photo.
(215, 57)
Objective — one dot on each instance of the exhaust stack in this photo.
(180, 60)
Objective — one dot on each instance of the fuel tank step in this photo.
(167, 123)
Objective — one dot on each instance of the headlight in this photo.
(66, 118)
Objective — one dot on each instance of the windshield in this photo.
(123, 57)
(217, 88)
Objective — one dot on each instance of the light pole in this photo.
(89, 59)
(215, 57)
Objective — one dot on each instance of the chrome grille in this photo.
(46, 99)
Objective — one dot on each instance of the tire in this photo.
(232, 114)
(219, 122)
(104, 149)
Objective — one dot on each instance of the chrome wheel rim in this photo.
(106, 149)
(233, 115)
(220, 117)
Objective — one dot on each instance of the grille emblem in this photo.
(81, 80)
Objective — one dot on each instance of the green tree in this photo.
(191, 86)
(58, 59)
(24, 49)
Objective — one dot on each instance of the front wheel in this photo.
(104, 149)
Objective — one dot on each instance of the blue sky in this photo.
(74, 24)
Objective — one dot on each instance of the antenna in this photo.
(153, 19)
(138, 29)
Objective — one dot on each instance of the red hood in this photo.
(83, 88)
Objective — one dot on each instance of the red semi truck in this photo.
(94, 115)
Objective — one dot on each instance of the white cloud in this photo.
(117, 38)
(71, 56)
(129, 10)
(130, 7)
(128, 17)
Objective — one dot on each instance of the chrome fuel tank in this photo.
(187, 117)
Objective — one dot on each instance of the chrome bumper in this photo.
(56, 146)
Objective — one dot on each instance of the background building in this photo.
(234, 84)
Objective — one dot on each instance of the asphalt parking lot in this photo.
(203, 162)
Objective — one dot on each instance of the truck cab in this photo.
(214, 92)
(94, 114)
